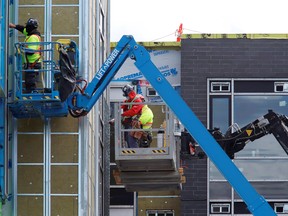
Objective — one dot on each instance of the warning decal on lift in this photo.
(249, 132)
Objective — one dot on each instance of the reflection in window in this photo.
(258, 106)
(220, 190)
(220, 119)
(220, 113)
(263, 162)
(214, 173)
(265, 146)
(257, 169)
(249, 108)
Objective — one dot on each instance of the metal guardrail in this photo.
(44, 100)
(47, 72)
(163, 146)
(163, 124)
(156, 167)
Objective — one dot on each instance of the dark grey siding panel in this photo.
(194, 193)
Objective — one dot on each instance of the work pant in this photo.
(131, 141)
(31, 77)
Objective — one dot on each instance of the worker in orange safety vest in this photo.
(131, 111)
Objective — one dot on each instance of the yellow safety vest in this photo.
(35, 57)
(146, 117)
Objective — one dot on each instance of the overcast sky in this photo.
(157, 20)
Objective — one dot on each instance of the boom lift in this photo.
(80, 103)
(46, 100)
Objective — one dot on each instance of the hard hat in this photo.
(126, 90)
(32, 23)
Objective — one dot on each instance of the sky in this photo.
(158, 20)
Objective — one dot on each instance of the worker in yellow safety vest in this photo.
(32, 51)
(146, 117)
(146, 121)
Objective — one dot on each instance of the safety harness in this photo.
(32, 65)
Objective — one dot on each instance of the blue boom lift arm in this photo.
(81, 103)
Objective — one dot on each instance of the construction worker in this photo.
(131, 111)
(32, 58)
(146, 121)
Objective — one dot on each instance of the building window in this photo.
(281, 207)
(281, 86)
(248, 101)
(220, 113)
(259, 106)
(160, 213)
(220, 208)
(151, 91)
(220, 87)
(120, 197)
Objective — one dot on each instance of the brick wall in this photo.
(220, 58)
(194, 191)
